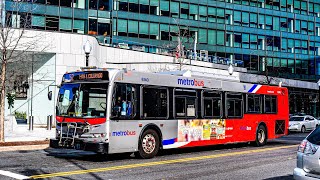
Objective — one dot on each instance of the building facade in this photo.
(279, 38)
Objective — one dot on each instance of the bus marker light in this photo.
(161, 125)
(140, 125)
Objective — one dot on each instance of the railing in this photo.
(189, 54)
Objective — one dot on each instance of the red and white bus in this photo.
(117, 111)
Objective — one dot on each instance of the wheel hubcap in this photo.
(261, 136)
(148, 143)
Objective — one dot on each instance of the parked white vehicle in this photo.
(302, 123)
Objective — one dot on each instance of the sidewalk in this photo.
(21, 133)
(21, 138)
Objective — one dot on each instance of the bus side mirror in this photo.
(50, 95)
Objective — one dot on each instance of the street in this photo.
(276, 160)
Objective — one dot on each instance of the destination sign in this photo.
(91, 76)
(86, 76)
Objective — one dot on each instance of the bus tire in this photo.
(149, 144)
(261, 136)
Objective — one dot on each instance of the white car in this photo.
(308, 155)
(302, 123)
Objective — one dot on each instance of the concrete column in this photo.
(231, 40)
(263, 64)
(231, 58)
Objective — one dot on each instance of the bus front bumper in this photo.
(81, 145)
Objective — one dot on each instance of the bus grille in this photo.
(280, 127)
(70, 131)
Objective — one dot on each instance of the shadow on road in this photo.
(93, 157)
(287, 177)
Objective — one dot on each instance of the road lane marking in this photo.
(13, 175)
(129, 166)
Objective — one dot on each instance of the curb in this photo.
(23, 148)
(23, 145)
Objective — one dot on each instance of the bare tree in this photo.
(181, 38)
(16, 48)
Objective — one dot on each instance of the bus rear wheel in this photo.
(149, 144)
(261, 136)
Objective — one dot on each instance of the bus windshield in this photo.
(82, 100)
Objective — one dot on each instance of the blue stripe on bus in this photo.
(253, 87)
(168, 141)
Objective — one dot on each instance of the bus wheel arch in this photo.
(152, 135)
(261, 134)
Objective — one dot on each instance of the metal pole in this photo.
(51, 121)
(31, 123)
(87, 59)
(48, 122)
(31, 108)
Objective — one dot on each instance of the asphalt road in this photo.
(237, 161)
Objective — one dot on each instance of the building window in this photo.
(93, 4)
(52, 23)
(53, 2)
(66, 3)
(123, 6)
(78, 26)
(103, 5)
(38, 22)
(104, 29)
(92, 27)
(65, 25)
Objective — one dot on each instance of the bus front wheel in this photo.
(148, 144)
(261, 136)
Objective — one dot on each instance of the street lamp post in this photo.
(87, 49)
(230, 69)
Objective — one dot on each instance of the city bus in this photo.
(118, 111)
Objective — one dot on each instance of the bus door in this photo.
(123, 129)
(233, 111)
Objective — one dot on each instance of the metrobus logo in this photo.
(124, 133)
(191, 82)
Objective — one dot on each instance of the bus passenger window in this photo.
(270, 104)
(124, 101)
(208, 107)
(234, 105)
(185, 103)
(254, 103)
(211, 104)
(180, 107)
(155, 102)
